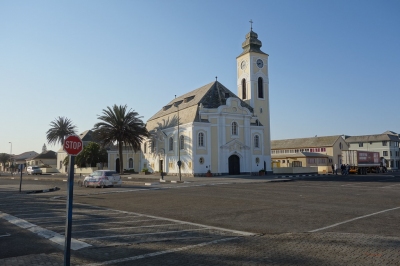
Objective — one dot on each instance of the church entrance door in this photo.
(234, 165)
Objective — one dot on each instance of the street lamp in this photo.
(179, 147)
(10, 154)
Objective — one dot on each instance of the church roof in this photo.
(211, 95)
(327, 141)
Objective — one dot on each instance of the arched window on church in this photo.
(145, 147)
(130, 163)
(260, 88)
(182, 142)
(256, 141)
(234, 129)
(171, 144)
(244, 89)
(153, 146)
(201, 139)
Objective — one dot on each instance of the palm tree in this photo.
(121, 126)
(61, 127)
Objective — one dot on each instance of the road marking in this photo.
(354, 219)
(148, 255)
(122, 228)
(176, 221)
(390, 186)
(42, 232)
(142, 234)
(7, 234)
(91, 219)
(83, 225)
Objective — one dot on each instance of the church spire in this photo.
(252, 43)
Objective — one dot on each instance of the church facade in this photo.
(212, 129)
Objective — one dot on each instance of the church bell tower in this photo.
(253, 85)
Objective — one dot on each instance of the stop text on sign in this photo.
(73, 145)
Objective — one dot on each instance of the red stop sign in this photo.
(73, 145)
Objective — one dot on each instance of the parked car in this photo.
(34, 170)
(103, 178)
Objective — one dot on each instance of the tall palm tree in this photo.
(61, 127)
(121, 126)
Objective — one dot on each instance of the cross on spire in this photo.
(251, 24)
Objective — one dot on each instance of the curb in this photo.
(305, 175)
(43, 190)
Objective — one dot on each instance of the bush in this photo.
(129, 170)
(145, 170)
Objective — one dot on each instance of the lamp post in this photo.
(179, 147)
(10, 155)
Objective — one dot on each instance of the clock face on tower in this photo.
(260, 63)
(243, 65)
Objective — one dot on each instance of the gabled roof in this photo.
(299, 155)
(211, 95)
(26, 155)
(46, 155)
(327, 141)
(86, 135)
(373, 138)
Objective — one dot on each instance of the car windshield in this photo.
(96, 173)
(110, 173)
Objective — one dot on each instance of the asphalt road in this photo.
(327, 220)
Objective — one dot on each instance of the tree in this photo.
(61, 127)
(4, 158)
(121, 126)
(90, 155)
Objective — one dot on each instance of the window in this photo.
(145, 148)
(390, 153)
(296, 164)
(396, 144)
(201, 139)
(244, 89)
(256, 141)
(234, 129)
(60, 164)
(153, 146)
(182, 142)
(130, 163)
(340, 145)
(283, 161)
(384, 143)
(360, 144)
(171, 144)
(260, 88)
(311, 160)
(385, 153)
(201, 160)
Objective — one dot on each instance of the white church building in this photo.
(218, 131)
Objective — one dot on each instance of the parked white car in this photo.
(34, 170)
(103, 178)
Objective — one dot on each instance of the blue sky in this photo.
(333, 66)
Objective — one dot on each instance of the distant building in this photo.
(318, 152)
(387, 144)
(86, 138)
(21, 158)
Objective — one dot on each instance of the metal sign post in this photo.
(73, 146)
(21, 166)
(68, 224)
